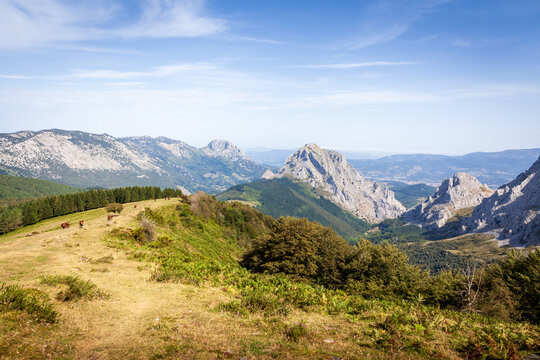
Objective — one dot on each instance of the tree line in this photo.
(32, 211)
(507, 289)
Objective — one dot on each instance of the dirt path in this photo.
(132, 322)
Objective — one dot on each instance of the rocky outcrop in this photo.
(462, 191)
(100, 160)
(268, 174)
(337, 181)
(226, 150)
(512, 213)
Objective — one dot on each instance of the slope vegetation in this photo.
(410, 195)
(286, 197)
(16, 187)
(165, 283)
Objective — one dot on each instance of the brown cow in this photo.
(135, 206)
(64, 225)
(109, 217)
(81, 223)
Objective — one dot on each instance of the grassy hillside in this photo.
(173, 289)
(410, 195)
(285, 197)
(15, 187)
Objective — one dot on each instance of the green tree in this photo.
(302, 249)
(10, 219)
(382, 271)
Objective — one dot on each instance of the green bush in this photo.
(76, 288)
(301, 249)
(512, 288)
(296, 332)
(382, 271)
(15, 297)
(114, 207)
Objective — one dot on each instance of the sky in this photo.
(403, 76)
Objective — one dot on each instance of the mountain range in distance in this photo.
(313, 182)
(99, 160)
(491, 168)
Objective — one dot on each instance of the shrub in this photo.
(296, 332)
(114, 207)
(15, 297)
(301, 249)
(382, 271)
(161, 242)
(150, 229)
(511, 287)
(76, 288)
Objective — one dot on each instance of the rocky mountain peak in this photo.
(512, 213)
(461, 191)
(224, 149)
(335, 178)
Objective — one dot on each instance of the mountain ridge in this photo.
(335, 178)
(512, 213)
(458, 192)
(88, 160)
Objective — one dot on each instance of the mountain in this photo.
(285, 197)
(99, 160)
(76, 158)
(336, 180)
(492, 168)
(16, 187)
(212, 169)
(512, 212)
(460, 192)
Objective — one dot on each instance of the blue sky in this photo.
(437, 76)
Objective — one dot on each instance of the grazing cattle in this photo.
(64, 225)
(135, 206)
(109, 217)
(81, 223)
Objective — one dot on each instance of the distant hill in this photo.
(16, 187)
(99, 160)
(491, 168)
(285, 197)
(410, 195)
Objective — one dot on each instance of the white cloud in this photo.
(378, 36)
(460, 43)
(370, 97)
(159, 71)
(383, 21)
(353, 65)
(167, 19)
(15, 77)
(26, 23)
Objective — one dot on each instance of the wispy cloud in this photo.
(254, 39)
(383, 21)
(353, 65)
(371, 97)
(25, 23)
(378, 36)
(460, 43)
(15, 77)
(496, 90)
(158, 71)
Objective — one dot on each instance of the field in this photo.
(183, 296)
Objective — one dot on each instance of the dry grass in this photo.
(143, 319)
(140, 319)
